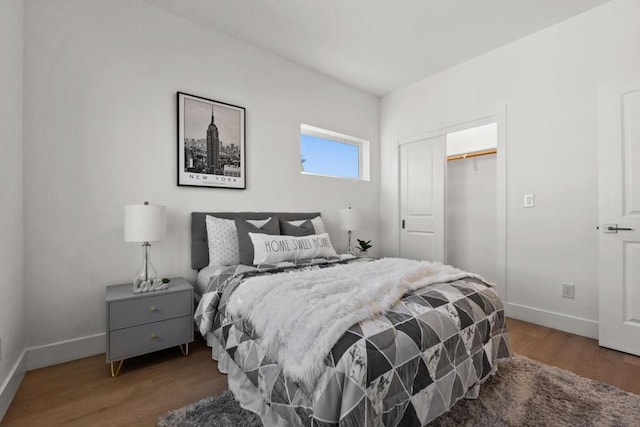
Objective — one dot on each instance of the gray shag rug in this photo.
(221, 411)
(522, 393)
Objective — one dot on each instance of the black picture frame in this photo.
(210, 154)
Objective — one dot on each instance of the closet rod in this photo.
(475, 154)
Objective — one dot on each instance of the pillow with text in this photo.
(269, 249)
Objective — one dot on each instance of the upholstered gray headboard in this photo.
(199, 246)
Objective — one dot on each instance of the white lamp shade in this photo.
(349, 219)
(144, 223)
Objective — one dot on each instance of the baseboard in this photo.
(65, 351)
(551, 319)
(10, 386)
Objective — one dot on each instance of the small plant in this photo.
(165, 280)
(364, 245)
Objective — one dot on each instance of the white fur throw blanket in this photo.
(300, 315)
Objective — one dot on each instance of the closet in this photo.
(471, 198)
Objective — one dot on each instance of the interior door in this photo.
(619, 198)
(422, 181)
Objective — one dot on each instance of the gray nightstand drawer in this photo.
(125, 343)
(147, 309)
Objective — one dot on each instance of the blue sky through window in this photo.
(326, 157)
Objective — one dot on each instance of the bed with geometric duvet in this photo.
(332, 340)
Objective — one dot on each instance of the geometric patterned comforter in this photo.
(404, 367)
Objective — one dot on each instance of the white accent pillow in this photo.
(269, 249)
(318, 225)
(222, 238)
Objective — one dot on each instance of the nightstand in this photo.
(143, 323)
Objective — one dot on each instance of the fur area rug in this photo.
(221, 411)
(522, 393)
(525, 392)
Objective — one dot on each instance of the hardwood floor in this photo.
(574, 353)
(82, 392)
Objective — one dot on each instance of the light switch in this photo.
(529, 200)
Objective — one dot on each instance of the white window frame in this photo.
(364, 173)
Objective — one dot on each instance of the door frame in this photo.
(461, 121)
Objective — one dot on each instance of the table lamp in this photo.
(145, 223)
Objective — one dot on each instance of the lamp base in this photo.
(146, 280)
(350, 249)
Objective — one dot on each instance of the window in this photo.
(327, 153)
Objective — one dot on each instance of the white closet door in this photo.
(619, 247)
(422, 181)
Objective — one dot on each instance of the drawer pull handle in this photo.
(152, 309)
(154, 336)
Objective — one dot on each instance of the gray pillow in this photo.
(245, 247)
(304, 229)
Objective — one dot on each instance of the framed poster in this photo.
(210, 143)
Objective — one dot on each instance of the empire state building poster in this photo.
(210, 143)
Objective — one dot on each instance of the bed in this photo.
(407, 361)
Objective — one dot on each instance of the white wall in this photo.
(471, 215)
(100, 131)
(11, 238)
(474, 139)
(549, 82)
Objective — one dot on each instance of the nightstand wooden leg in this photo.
(185, 350)
(117, 371)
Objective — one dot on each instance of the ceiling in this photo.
(377, 45)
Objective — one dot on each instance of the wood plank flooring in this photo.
(82, 392)
(574, 353)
